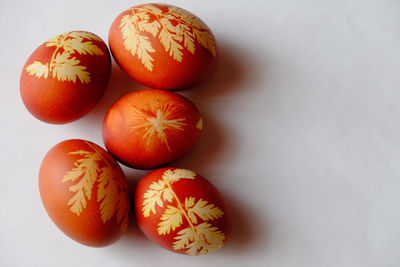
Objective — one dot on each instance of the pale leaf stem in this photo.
(183, 211)
(99, 154)
(52, 59)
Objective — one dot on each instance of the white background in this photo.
(301, 134)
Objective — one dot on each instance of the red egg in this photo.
(182, 212)
(65, 77)
(148, 128)
(163, 46)
(85, 192)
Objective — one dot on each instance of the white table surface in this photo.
(301, 134)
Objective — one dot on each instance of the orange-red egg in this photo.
(65, 77)
(148, 128)
(163, 46)
(85, 192)
(182, 212)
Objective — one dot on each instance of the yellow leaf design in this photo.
(123, 212)
(206, 40)
(57, 40)
(197, 239)
(86, 172)
(189, 202)
(175, 175)
(153, 197)
(111, 192)
(202, 209)
(111, 196)
(200, 30)
(156, 121)
(176, 29)
(170, 43)
(183, 238)
(161, 191)
(67, 69)
(203, 239)
(38, 69)
(77, 45)
(152, 9)
(107, 194)
(63, 65)
(129, 33)
(195, 27)
(135, 43)
(85, 35)
(188, 39)
(212, 238)
(143, 50)
(152, 27)
(170, 219)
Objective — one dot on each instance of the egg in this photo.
(148, 128)
(65, 77)
(85, 192)
(163, 46)
(182, 212)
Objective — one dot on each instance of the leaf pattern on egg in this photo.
(63, 65)
(84, 176)
(176, 29)
(200, 237)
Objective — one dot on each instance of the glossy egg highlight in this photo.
(149, 128)
(65, 77)
(182, 212)
(163, 46)
(85, 192)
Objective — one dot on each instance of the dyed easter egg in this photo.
(85, 192)
(163, 46)
(65, 77)
(182, 212)
(149, 128)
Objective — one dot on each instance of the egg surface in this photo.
(182, 212)
(148, 128)
(85, 192)
(65, 77)
(163, 46)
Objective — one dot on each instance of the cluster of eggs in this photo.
(82, 187)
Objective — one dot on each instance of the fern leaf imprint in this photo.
(63, 65)
(112, 193)
(175, 28)
(201, 237)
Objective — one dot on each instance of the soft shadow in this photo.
(227, 77)
(209, 146)
(133, 232)
(243, 236)
(119, 85)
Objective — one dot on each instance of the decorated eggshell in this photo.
(148, 128)
(65, 77)
(163, 46)
(85, 192)
(182, 212)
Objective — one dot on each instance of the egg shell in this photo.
(163, 46)
(182, 212)
(149, 128)
(85, 192)
(65, 77)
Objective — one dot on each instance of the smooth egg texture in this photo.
(148, 128)
(163, 46)
(85, 192)
(65, 77)
(182, 212)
